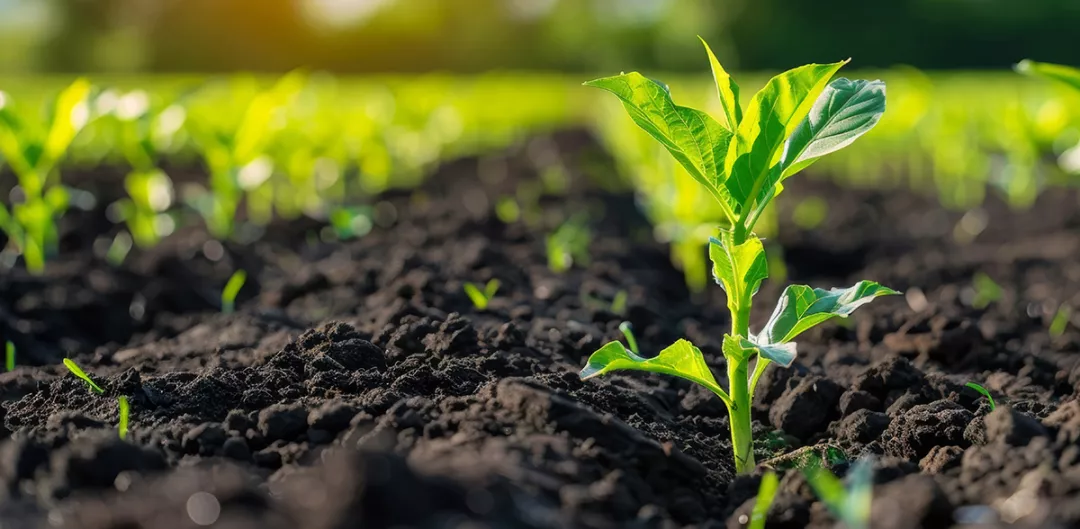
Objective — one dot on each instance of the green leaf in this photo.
(69, 114)
(983, 391)
(491, 288)
(801, 307)
(696, 140)
(740, 349)
(726, 89)
(739, 269)
(77, 371)
(478, 297)
(844, 111)
(770, 118)
(122, 428)
(851, 505)
(12, 137)
(232, 288)
(765, 496)
(9, 356)
(680, 359)
(1058, 72)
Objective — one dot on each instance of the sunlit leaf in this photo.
(1058, 72)
(726, 89)
(802, 307)
(764, 500)
(680, 359)
(741, 349)
(739, 269)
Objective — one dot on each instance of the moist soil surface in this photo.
(357, 386)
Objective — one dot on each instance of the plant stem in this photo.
(742, 440)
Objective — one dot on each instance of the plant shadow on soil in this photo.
(357, 386)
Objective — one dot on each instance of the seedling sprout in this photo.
(481, 297)
(628, 332)
(765, 497)
(797, 118)
(1060, 321)
(618, 304)
(77, 371)
(983, 391)
(122, 428)
(232, 288)
(9, 356)
(851, 505)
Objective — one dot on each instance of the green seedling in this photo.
(122, 428)
(983, 391)
(628, 333)
(77, 371)
(1066, 75)
(618, 303)
(987, 291)
(1060, 321)
(9, 356)
(481, 297)
(765, 497)
(232, 288)
(34, 154)
(569, 244)
(851, 504)
(797, 118)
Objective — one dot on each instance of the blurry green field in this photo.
(958, 135)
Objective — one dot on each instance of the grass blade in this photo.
(77, 371)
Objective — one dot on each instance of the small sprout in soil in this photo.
(765, 496)
(9, 356)
(628, 332)
(851, 505)
(618, 304)
(986, 291)
(77, 371)
(507, 210)
(1060, 321)
(569, 244)
(741, 161)
(122, 428)
(232, 288)
(983, 391)
(481, 297)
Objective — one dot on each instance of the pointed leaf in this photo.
(1057, 72)
(770, 118)
(739, 269)
(696, 140)
(477, 296)
(680, 359)
(741, 349)
(801, 307)
(69, 114)
(726, 89)
(844, 111)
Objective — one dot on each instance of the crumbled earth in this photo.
(357, 386)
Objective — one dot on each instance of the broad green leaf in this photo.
(844, 111)
(696, 140)
(680, 359)
(801, 307)
(70, 113)
(741, 349)
(726, 89)
(770, 118)
(1057, 72)
(739, 269)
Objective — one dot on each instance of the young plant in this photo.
(122, 428)
(9, 356)
(481, 298)
(618, 303)
(232, 288)
(1061, 320)
(34, 154)
(851, 505)
(765, 496)
(987, 291)
(77, 371)
(797, 118)
(628, 333)
(568, 244)
(150, 190)
(982, 391)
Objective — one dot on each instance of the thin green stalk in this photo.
(742, 441)
(9, 357)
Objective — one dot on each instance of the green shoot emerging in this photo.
(618, 304)
(628, 332)
(1061, 320)
(232, 288)
(122, 428)
(77, 371)
(569, 244)
(742, 161)
(481, 297)
(984, 393)
(987, 291)
(9, 356)
(851, 505)
(765, 496)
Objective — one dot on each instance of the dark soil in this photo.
(357, 386)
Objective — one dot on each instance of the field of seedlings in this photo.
(310, 301)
